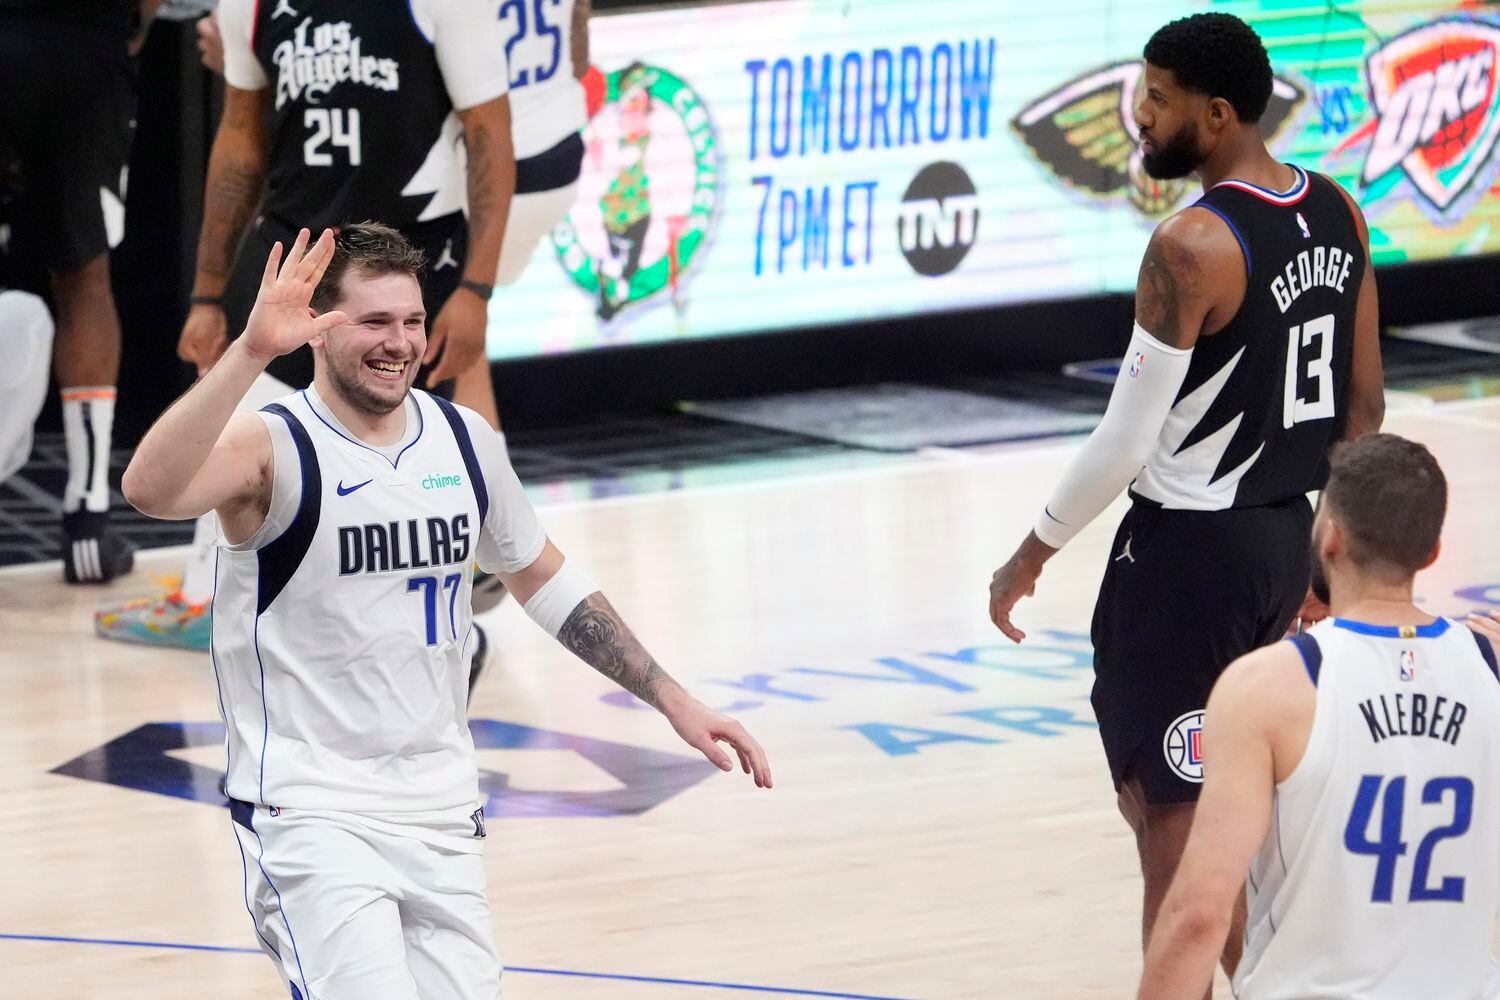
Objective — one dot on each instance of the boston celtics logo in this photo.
(647, 196)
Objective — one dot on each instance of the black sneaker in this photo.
(91, 552)
(488, 591)
(479, 661)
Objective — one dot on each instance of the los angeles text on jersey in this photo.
(382, 547)
(1326, 267)
(1414, 715)
(315, 59)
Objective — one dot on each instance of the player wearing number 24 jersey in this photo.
(1354, 772)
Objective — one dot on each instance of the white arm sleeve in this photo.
(1150, 377)
(469, 39)
(237, 26)
(511, 537)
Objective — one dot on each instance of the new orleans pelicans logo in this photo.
(1437, 116)
(648, 195)
(1085, 132)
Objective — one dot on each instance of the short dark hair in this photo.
(1218, 55)
(1390, 496)
(371, 247)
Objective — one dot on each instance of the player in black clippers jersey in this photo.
(337, 112)
(1255, 350)
(345, 110)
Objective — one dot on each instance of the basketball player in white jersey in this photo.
(352, 513)
(548, 57)
(1354, 772)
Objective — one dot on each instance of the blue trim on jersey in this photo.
(280, 908)
(1487, 651)
(245, 898)
(1428, 631)
(466, 448)
(1244, 247)
(278, 559)
(395, 462)
(242, 813)
(412, 11)
(213, 661)
(265, 710)
(1312, 654)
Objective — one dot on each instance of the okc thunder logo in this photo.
(1437, 116)
(1183, 746)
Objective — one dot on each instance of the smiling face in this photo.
(372, 360)
(1168, 115)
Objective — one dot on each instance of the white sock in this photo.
(88, 420)
(198, 574)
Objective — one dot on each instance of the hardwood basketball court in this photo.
(942, 825)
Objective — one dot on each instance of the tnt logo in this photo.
(1434, 91)
(1183, 746)
(1408, 670)
(939, 219)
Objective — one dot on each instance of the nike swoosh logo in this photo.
(346, 490)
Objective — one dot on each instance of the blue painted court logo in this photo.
(145, 759)
(1183, 746)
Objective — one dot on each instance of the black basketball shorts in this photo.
(1184, 594)
(67, 117)
(445, 242)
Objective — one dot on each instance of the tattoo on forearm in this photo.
(1169, 275)
(597, 636)
(233, 191)
(489, 189)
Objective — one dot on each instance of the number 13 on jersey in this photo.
(1320, 366)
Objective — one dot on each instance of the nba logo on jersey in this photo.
(1408, 665)
(1302, 225)
(1183, 746)
(1137, 363)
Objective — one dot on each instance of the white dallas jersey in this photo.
(342, 628)
(546, 100)
(1381, 875)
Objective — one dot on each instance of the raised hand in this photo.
(283, 319)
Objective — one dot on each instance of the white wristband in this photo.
(551, 606)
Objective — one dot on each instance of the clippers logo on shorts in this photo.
(1183, 746)
(316, 59)
(1408, 669)
(648, 194)
(1437, 113)
(939, 219)
(1085, 133)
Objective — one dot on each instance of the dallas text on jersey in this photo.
(378, 547)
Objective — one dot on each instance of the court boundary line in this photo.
(515, 969)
